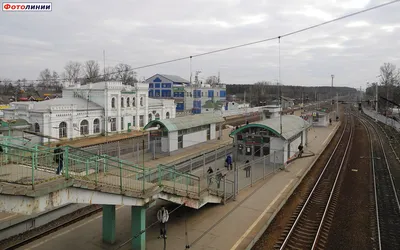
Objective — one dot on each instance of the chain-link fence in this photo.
(386, 120)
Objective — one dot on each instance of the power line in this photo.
(244, 44)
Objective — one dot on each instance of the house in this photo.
(92, 109)
(187, 96)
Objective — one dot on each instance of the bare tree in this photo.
(44, 79)
(389, 74)
(124, 73)
(92, 71)
(73, 71)
(107, 74)
(212, 80)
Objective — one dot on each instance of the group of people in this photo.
(228, 166)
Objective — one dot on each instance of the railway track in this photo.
(386, 198)
(35, 234)
(309, 225)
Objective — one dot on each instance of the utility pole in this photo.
(337, 104)
(332, 84)
(245, 111)
(106, 101)
(280, 106)
(376, 101)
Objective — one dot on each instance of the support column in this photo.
(109, 224)
(138, 224)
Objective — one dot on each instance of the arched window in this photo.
(133, 101)
(84, 127)
(122, 102)
(96, 126)
(37, 128)
(150, 117)
(62, 130)
(128, 102)
(157, 116)
(113, 103)
(167, 115)
(141, 101)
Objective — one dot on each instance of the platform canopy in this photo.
(291, 126)
(185, 122)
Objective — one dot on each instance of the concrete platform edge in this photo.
(272, 217)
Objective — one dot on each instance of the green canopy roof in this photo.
(186, 122)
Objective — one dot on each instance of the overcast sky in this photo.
(140, 32)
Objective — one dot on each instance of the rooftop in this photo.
(291, 126)
(46, 105)
(175, 78)
(186, 122)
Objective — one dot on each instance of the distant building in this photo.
(286, 102)
(187, 96)
(92, 109)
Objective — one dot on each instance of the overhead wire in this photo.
(240, 45)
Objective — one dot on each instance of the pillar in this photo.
(109, 224)
(138, 224)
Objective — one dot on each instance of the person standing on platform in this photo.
(300, 148)
(162, 217)
(209, 173)
(228, 162)
(247, 168)
(59, 158)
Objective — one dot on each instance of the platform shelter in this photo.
(169, 135)
(274, 137)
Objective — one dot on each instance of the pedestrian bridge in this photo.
(28, 179)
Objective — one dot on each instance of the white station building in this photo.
(93, 109)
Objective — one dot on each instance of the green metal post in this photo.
(33, 167)
(66, 162)
(109, 224)
(138, 225)
(174, 177)
(96, 172)
(187, 184)
(120, 175)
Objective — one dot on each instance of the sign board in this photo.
(178, 89)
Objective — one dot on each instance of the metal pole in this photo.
(154, 149)
(137, 152)
(376, 102)
(337, 104)
(264, 167)
(204, 163)
(274, 161)
(143, 154)
(119, 149)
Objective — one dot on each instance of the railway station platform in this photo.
(213, 226)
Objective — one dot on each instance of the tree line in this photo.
(388, 83)
(77, 72)
(263, 92)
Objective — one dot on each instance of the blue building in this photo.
(188, 97)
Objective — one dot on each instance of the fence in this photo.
(32, 166)
(386, 120)
(222, 182)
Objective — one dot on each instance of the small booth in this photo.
(318, 118)
(271, 138)
(169, 135)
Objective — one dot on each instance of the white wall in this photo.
(276, 145)
(173, 141)
(294, 146)
(194, 138)
(164, 144)
(213, 133)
